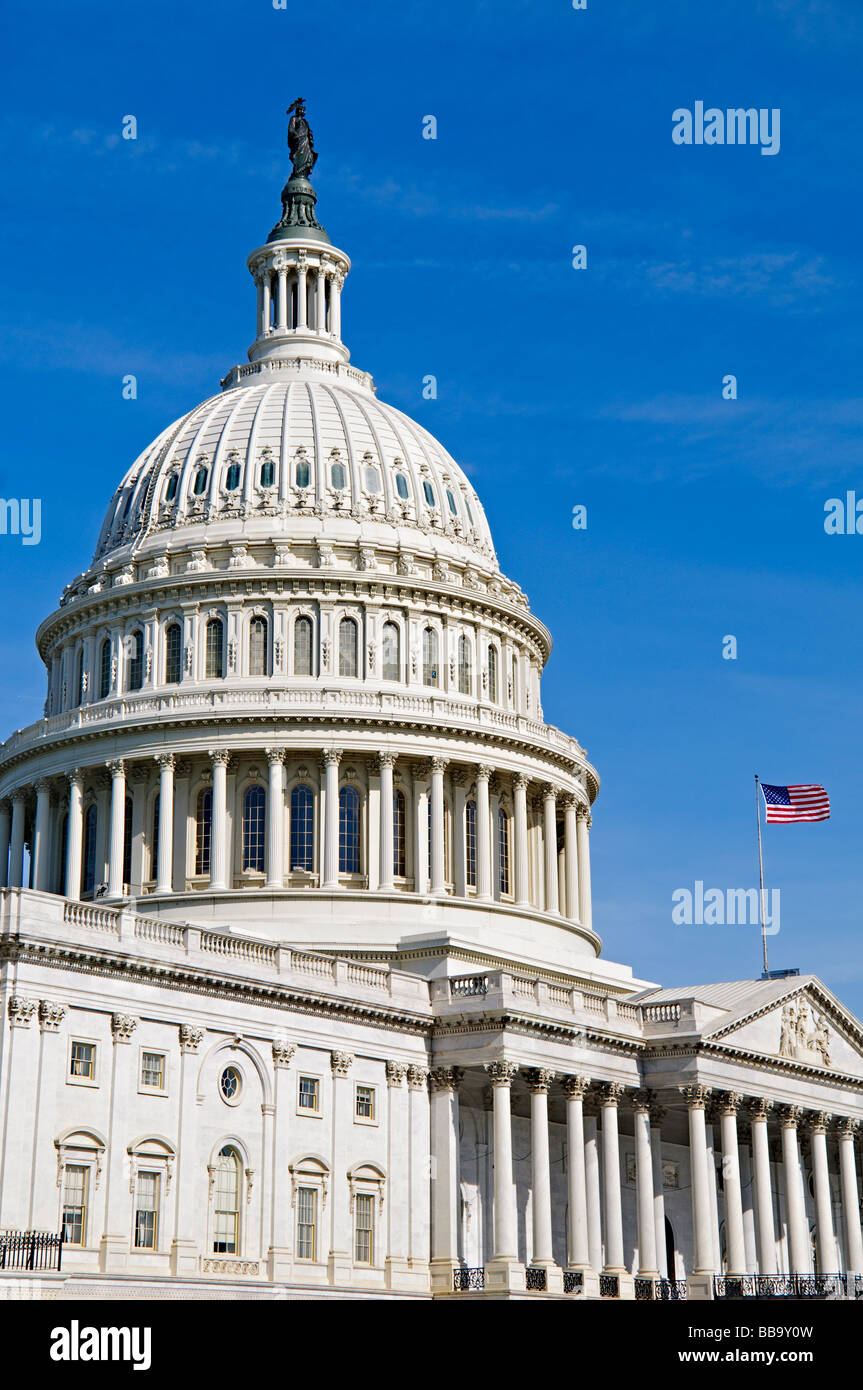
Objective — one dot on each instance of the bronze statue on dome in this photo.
(300, 140)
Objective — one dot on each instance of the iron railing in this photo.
(609, 1286)
(786, 1286)
(30, 1250)
(536, 1279)
(465, 1279)
(670, 1290)
(573, 1281)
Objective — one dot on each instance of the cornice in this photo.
(751, 1058)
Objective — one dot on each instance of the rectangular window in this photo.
(153, 1070)
(75, 1190)
(309, 1093)
(365, 1102)
(364, 1242)
(307, 1222)
(147, 1211)
(83, 1061)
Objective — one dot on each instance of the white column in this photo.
(185, 1247)
(538, 1083)
(505, 1240)
(582, 827)
(385, 762)
(696, 1098)
(570, 849)
(798, 1227)
(164, 868)
(483, 835)
(16, 852)
(519, 798)
(549, 836)
(657, 1115)
(332, 757)
(421, 831)
(339, 1263)
(259, 283)
(219, 828)
(647, 1254)
(850, 1196)
(74, 834)
(735, 1252)
(282, 299)
(459, 829)
(279, 1257)
(5, 837)
(275, 819)
(117, 826)
(302, 300)
(766, 1232)
(419, 1159)
(828, 1262)
(438, 864)
(265, 303)
(42, 837)
(610, 1094)
(593, 1189)
(398, 1164)
(444, 1175)
(578, 1247)
(321, 300)
(114, 1244)
(336, 283)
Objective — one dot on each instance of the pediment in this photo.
(806, 1026)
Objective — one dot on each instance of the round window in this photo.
(230, 1085)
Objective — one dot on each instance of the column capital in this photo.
(221, 756)
(790, 1115)
(520, 779)
(275, 756)
(43, 785)
(583, 813)
(548, 791)
(164, 760)
(569, 801)
(696, 1097)
(439, 765)
(17, 795)
(641, 1102)
(396, 1072)
(501, 1073)
(759, 1107)
(574, 1087)
(820, 1121)
(539, 1080)
(610, 1093)
(658, 1112)
(190, 1037)
(446, 1078)
(116, 767)
(386, 758)
(21, 1011)
(51, 1015)
(122, 1027)
(341, 1062)
(75, 778)
(331, 757)
(846, 1127)
(484, 772)
(282, 1054)
(728, 1102)
(417, 1078)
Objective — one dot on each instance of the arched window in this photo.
(302, 845)
(303, 473)
(154, 839)
(258, 647)
(135, 673)
(232, 478)
(464, 672)
(338, 476)
(390, 655)
(399, 836)
(451, 500)
(469, 512)
(268, 473)
(215, 651)
(199, 487)
(303, 647)
(226, 1202)
(171, 489)
(492, 674)
(105, 669)
(90, 822)
(503, 850)
(470, 843)
(348, 647)
(429, 494)
(254, 828)
(173, 641)
(127, 840)
(349, 831)
(429, 656)
(203, 830)
(402, 486)
(79, 680)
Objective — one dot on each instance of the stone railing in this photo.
(502, 989)
(660, 1013)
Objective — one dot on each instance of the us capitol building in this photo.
(301, 990)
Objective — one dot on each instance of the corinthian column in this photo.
(798, 1229)
(117, 828)
(850, 1195)
(164, 868)
(5, 836)
(696, 1098)
(570, 852)
(647, 1259)
(438, 866)
(735, 1242)
(766, 1233)
(549, 807)
(16, 853)
(609, 1096)
(538, 1083)
(332, 757)
(583, 823)
(219, 842)
(444, 1174)
(483, 835)
(275, 806)
(519, 799)
(41, 836)
(578, 1255)
(828, 1262)
(74, 834)
(505, 1260)
(386, 761)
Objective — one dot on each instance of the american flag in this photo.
(805, 802)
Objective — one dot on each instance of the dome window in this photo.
(337, 476)
(390, 652)
(452, 506)
(402, 486)
(373, 482)
(303, 647)
(214, 654)
(469, 512)
(429, 494)
(173, 640)
(135, 674)
(303, 473)
(348, 648)
(200, 484)
(171, 489)
(268, 473)
(105, 672)
(232, 478)
(429, 656)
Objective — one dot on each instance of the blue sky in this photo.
(556, 387)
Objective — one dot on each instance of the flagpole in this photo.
(763, 915)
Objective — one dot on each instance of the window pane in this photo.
(153, 1070)
(203, 830)
(303, 647)
(171, 489)
(258, 647)
(402, 486)
(232, 480)
(492, 674)
(365, 1216)
(451, 500)
(75, 1190)
(365, 1103)
(349, 831)
(348, 644)
(390, 653)
(83, 1060)
(429, 494)
(307, 1219)
(127, 840)
(105, 670)
(268, 473)
(226, 1203)
(429, 656)
(90, 849)
(215, 653)
(135, 673)
(372, 480)
(303, 473)
(399, 834)
(147, 1211)
(302, 846)
(503, 850)
(308, 1093)
(172, 654)
(464, 671)
(254, 817)
(337, 474)
(470, 838)
(200, 486)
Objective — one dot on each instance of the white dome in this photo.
(281, 456)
